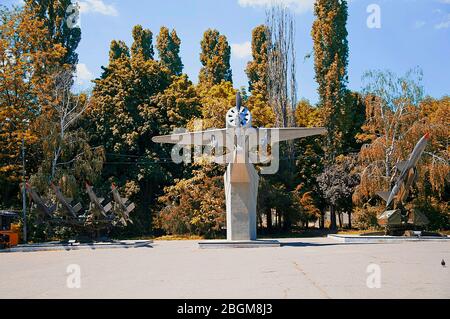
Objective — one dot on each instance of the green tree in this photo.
(168, 45)
(215, 58)
(256, 70)
(143, 43)
(329, 35)
(135, 99)
(55, 14)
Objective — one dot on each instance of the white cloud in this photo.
(241, 50)
(83, 75)
(299, 6)
(419, 24)
(98, 6)
(444, 24)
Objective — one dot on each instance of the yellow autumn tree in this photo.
(27, 62)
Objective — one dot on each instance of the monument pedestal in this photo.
(241, 192)
(214, 244)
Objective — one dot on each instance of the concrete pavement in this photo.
(302, 268)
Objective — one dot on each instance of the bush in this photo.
(366, 217)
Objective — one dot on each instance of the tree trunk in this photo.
(350, 220)
(322, 219)
(332, 218)
(340, 219)
(269, 220)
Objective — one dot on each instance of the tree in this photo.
(307, 115)
(337, 184)
(256, 70)
(397, 117)
(282, 85)
(195, 205)
(329, 35)
(168, 45)
(55, 15)
(67, 155)
(135, 99)
(143, 43)
(215, 58)
(215, 102)
(25, 54)
(118, 49)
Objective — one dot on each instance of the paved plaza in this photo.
(301, 268)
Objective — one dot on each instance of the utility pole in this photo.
(24, 195)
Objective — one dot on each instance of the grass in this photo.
(179, 237)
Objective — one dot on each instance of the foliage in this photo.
(142, 47)
(25, 54)
(55, 14)
(337, 184)
(329, 35)
(68, 159)
(195, 205)
(396, 119)
(215, 58)
(262, 112)
(168, 45)
(126, 110)
(365, 217)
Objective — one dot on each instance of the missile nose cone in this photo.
(427, 136)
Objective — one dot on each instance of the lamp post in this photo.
(24, 200)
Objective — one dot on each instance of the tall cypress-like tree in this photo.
(215, 58)
(143, 43)
(168, 45)
(55, 15)
(256, 70)
(329, 34)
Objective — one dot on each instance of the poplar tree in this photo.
(168, 45)
(257, 78)
(215, 58)
(143, 43)
(329, 35)
(55, 15)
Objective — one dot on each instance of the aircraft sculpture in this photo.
(120, 208)
(65, 202)
(39, 203)
(395, 199)
(244, 146)
(96, 202)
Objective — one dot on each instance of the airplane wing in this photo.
(192, 138)
(286, 134)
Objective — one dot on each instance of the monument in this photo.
(244, 146)
(397, 219)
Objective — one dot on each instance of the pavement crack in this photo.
(315, 284)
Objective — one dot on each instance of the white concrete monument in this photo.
(240, 146)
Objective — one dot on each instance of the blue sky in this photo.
(412, 33)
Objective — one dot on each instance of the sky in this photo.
(383, 34)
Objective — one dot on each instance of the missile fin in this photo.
(384, 195)
(401, 165)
